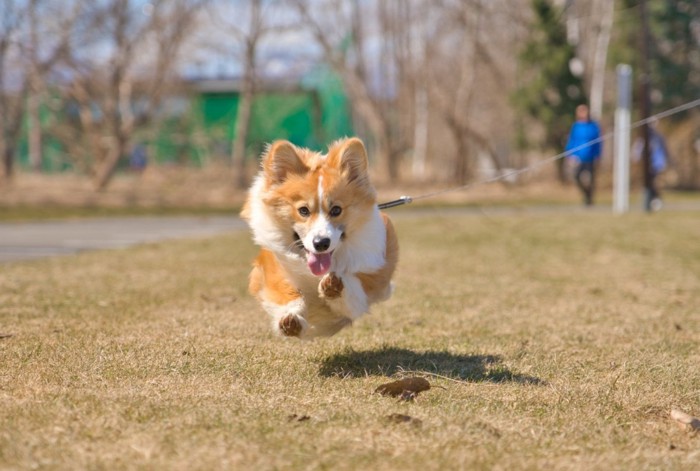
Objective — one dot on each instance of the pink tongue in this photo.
(319, 263)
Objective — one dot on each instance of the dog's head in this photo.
(319, 200)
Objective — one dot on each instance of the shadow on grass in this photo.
(387, 361)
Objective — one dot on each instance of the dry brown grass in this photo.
(212, 188)
(157, 186)
(552, 341)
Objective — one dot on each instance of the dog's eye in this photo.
(304, 211)
(335, 211)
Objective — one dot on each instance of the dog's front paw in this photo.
(330, 287)
(290, 326)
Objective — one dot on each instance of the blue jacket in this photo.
(581, 133)
(659, 154)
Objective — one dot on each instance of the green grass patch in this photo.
(552, 341)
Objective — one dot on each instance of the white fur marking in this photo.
(265, 231)
(279, 311)
(353, 302)
(364, 250)
(322, 227)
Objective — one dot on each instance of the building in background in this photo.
(197, 124)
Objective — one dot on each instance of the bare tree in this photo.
(589, 27)
(243, 30)
(250, 39)
(13, 86)
(343, 47)
(428, 76)
(47, 43)
(606, 12)
(466, 63)
(418, 45)
(35, 89)
(122, 84)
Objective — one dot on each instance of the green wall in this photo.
(312, 116)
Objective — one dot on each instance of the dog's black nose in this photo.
(321, 243)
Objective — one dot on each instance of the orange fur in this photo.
(268, 280)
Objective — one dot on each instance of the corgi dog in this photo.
(327, 252)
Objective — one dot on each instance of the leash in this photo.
(398, 202)
(410, 199)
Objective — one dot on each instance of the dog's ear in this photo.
(282, 160)
(352, 160)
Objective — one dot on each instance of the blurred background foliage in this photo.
(442, 91)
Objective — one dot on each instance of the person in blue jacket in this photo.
(659, 160)
(584, 145)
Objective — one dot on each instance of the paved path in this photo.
(23, 241)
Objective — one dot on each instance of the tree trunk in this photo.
(393, 160)
(243, 116)
(420, 136)
(8, 161)
(34, 131)
(245, 107)
(123, 125)
(562, 176)
(106, 170)
(694, 159)
(3, 171)
(10, 142)
(600, 58)
(34, 93)
(463, 164)
(363, 103)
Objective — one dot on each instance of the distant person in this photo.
(139, 158)
(658, 154)
(584, 147)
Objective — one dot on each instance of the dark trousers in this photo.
(585, 179)
(651, 193)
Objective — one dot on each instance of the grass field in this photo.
(552, 341)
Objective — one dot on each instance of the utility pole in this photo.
(621, 181)
(645, 104)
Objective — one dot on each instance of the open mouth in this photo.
(319, 263)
